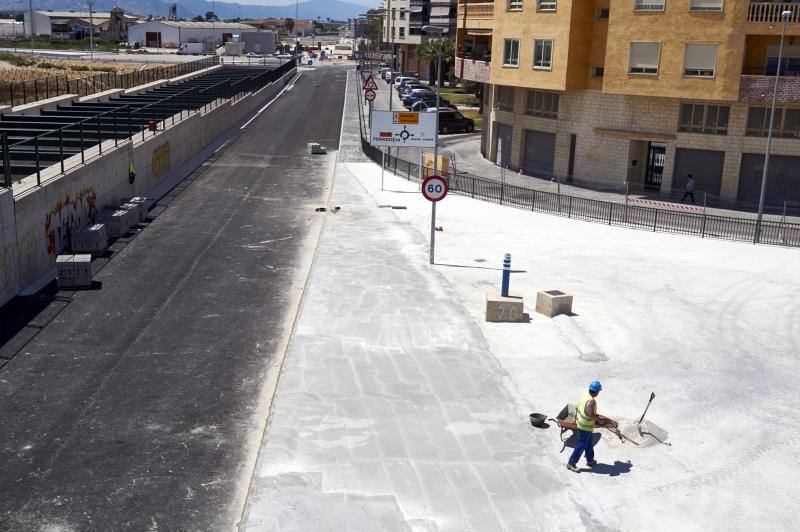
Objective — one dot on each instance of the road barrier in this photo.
(23, 92)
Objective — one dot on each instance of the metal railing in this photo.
(23, 92)
(784, 232)
(132, 120)
(771, 12)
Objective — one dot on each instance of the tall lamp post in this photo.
(435, 30)
(91, 36)
(759, 220)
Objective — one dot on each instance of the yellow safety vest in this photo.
(584, 422)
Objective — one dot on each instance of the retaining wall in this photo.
(36, 224)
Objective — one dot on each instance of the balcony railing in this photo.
(763, 12)
(473, 69)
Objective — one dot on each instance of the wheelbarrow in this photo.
(565, 421)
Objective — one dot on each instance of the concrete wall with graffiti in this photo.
(36, 225)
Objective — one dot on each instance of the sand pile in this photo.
(650, 432)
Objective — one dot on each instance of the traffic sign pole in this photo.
(434, 189)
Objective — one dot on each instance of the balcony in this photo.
(757, 86)
(474, 15)
(473, 69)
(765, 18)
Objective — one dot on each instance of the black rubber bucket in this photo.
(538, 420)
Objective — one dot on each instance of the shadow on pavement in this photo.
(612, 470)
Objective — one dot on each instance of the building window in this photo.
(543, 54)
(699, 60)
(787, 122)
(511, 52)
(402, 33)
(542, 103)
(515, 5)
(706, 5)
(598, 71)
(602, 13)
(703, 118)
(505, 98)
(546, 5)
(644, 58)
(648, 5)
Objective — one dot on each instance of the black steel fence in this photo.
(23, 92)
(126, 123)
(783, 232)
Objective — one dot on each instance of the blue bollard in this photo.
(506, 275)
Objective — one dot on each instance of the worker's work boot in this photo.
(591, 463)
(572, 467)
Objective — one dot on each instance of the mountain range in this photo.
(309, 9)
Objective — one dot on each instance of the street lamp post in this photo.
(760, 218)
(436, 30)
(91, 36)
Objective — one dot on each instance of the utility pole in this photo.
(30, 10)
(759, 220)
(91, 36)
(297, 37)
(440, 32)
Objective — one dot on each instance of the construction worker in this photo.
(586, 417)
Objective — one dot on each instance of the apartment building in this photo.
(642, 92)
(403, 22)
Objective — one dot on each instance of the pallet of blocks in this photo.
(132, 211)
(116, 222)
(89, 238)
(74, 271)
(144, 206)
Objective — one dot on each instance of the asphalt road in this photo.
(141, 405)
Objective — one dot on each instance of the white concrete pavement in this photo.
(390, 411)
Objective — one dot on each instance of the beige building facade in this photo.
(638, 94)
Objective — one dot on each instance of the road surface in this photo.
(141, 405)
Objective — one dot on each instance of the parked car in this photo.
(451, 121)
(415, 95)
(401, 79)
(407, 87)
(254, 55)
(285, 56)
(423, 105)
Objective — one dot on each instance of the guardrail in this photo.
(783, 233)
(135, 120)
(22, 92)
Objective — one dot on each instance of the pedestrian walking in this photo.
(586, 417)
(689, 188)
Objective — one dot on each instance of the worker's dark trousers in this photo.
(585, 443)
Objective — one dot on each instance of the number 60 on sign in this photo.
(434, 188)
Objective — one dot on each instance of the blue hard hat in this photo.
(595, 386)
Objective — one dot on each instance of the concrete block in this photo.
(503, 309)
(116, 222)
(315, 148)
(89, 239)
(74, 271)
(551, 303)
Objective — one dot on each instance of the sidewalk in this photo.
(391, 413)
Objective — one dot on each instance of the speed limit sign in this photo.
(434, 188)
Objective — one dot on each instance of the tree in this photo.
(198, 18)
(289, 24)
(210, 15)
(429, 50)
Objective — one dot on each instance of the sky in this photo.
(369, 3)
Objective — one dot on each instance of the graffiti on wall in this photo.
(160, 163)
(15, 257)
(66, 214)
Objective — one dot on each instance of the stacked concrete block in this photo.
(117, 222)
(89, 239)
(144, 206)
(74, 271)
